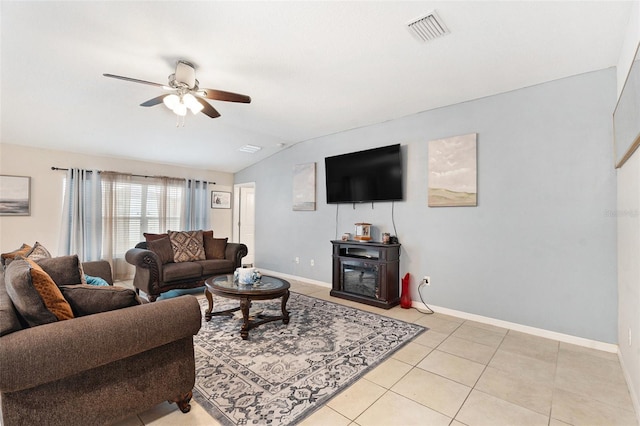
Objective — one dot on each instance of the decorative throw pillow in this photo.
(9, 321)
(89, 299)
(162, 247)
(34, 294)
(187, 246)
(97, 281)
(22, 251)
(215, 248)
(38, 252)
(64, 270)
(152, 237)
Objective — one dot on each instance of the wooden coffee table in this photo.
(267, 288)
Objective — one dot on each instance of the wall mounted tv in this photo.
(364, 176)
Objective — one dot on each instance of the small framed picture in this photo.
(220, 200)
(15, 195)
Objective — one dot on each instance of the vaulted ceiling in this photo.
(311, 68)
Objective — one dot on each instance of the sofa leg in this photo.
(182, 402)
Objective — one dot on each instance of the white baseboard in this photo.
(294, 277)
(635, 398)
(566, 338)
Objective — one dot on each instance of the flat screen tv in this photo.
(365, 176)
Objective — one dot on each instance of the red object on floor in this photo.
(405, 299)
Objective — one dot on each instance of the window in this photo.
(134, 205)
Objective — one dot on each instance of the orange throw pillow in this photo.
(49, 292)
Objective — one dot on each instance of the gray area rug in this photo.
(283, 373)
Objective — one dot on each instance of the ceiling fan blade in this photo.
(135, 80)
(219, 95)
(155, 101)
(208, 109)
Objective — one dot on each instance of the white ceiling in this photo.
(311, 68)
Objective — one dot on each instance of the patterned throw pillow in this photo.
(34, 294)
(38, 252)
(50, 293)
(187, 246)
(22, 251)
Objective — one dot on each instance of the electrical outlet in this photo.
(426, 280)
(297, 259)
(313, 263)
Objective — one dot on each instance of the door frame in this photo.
(235, 231)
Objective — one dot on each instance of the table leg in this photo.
(207, 314)
(244, 307)
(285, 313)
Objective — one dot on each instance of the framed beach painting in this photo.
(15, 195)
(304, 187)
(453, 171)
(220, 200)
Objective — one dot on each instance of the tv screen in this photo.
(365, 176)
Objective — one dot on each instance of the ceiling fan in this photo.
(186, 93)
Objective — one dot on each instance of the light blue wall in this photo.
(540, 247)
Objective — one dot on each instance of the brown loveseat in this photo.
(95, 369)
(157, 272)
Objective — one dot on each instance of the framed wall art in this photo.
(220, 200)
(304, 187)
(453, 171)
(15, 195)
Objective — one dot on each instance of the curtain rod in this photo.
(142, 176)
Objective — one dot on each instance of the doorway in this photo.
(244, 227)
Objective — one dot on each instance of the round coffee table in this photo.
(267, 288)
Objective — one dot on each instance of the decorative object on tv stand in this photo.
(453, 171)
(363, 231)
(405, 298)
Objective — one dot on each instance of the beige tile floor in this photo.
(463, 372)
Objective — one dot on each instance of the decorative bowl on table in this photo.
(246, 276)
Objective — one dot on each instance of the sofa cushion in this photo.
(9, 321)
(38, 251)
(30, 304)
(64, 270)
(181, 270)
(152, 237)
(187, 245)
(89, 299)
(215, 248)
(22, 251)
(162, 247)
(216, 266)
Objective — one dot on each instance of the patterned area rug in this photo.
(285, 372)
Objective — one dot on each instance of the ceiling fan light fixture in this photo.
(192, 103)
(171, 101)
(180, 109)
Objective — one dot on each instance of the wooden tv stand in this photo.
(366, 272)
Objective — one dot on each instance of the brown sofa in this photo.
(154, 277)
(95, 369)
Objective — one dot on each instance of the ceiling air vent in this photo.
(251, 149)
(427, 27)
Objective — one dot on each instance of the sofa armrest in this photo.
(148, 269)
(50, 352)
(235, 252)
(98, 268)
